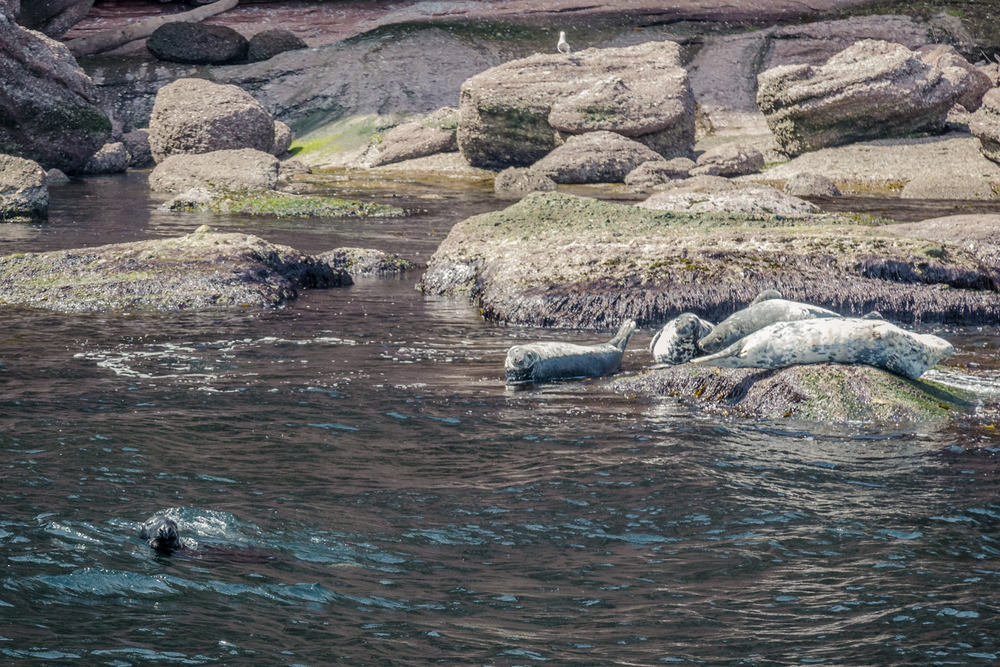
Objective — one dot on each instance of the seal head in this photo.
(677, 342)
(161, 534)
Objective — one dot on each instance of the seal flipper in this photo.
(656, 337)
(624, 333)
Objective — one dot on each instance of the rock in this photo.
(870, 90)
(595, 157)
(883, 166)
(197, 271)
(992, 72)
(749, 200)
(826, 392)
(366, 262)
(265, 45)
(139, 152)
(657, 172)
(244, 168)
(700, 183)
(48, 105)
(198, 116)
(282, 139)
(805, 184)
(197, 44)
(57, 177)
(730, 160)
(216, 199)
(111, 159)
(556, 260)
(290, 168)
(514, 114)
(985, 125)
(944, 56)
(978, 234)
(409, 141)
(24, 190)
(519, 181)
(53, 17)
(934, 187)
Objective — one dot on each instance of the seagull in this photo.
(562, 46)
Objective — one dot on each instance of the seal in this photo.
(843, 340)
(161, 534)
(539, 362)
(677, 342)
(758, 315)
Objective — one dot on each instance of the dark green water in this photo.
(358, 487)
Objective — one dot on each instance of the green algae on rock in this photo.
(821, 392)
(558, 260)
(198, 271)
(278, 204)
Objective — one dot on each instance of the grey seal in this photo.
(844, 340)
(538, 362)
(161, 534)
(677, 342)
(758, 315)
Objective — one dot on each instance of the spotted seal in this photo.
(844, 340)
(677, 342)
(161, 534)
(539, 362)
(765, 310)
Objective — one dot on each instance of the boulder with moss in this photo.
(823, 392)
(367, 262)
(197, 271)
(273, 203)
(562, 261)
(24, 190)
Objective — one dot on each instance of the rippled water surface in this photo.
(357, 486)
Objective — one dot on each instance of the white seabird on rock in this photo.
(563, 45)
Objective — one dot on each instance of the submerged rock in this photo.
(193, 116)
(24, 190)
(870, 90)
(367, 262)
(824, 392)
(514, 114)
(558, 260)
(197, 271)
(214, 199)
(246, 168)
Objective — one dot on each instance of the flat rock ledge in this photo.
(278, 204)
(821, 392)
(203, 270)
(556, 260)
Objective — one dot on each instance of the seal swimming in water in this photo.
(761, 313)
(161, 534)
(844, 340)
(677, 342)
(538, 362)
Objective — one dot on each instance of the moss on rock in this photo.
(278, 204)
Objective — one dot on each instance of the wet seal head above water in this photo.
(161, 534)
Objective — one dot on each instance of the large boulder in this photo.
(594, 157)
(198, 116)
(519, 181)
(514, 114)
(730, 160)
(197, 44)
(805, 184)
(53, 17)
(407, 142)
(985, 125)
(246, 168)
(200, 270)
(265, 45)
(113, 158)
(873, 89)
(944, 56)
(24, 190)
(48, 106)
(282, 139)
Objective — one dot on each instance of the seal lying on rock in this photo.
(677, 342)
(538, 362)
(758, 315)
(845, 340)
